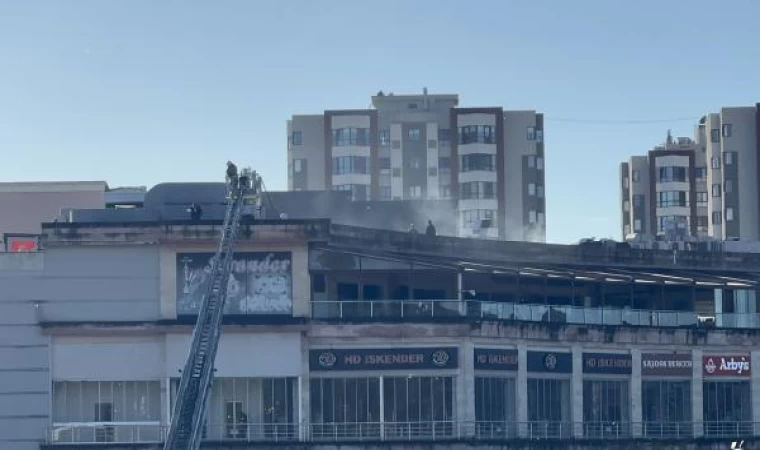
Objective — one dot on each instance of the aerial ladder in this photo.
(186, 428)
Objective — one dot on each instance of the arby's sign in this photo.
(731, 366)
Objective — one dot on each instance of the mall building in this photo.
(346, 336)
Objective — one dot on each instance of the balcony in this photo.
(455, 310)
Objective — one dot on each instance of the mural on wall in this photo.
(260, 283)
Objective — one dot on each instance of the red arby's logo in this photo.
(715, 365)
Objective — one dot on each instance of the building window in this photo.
(414, 134)
(532, 216)
(476, 133)
(444, 162)
(385, 192)
(350, 136)
(717, 218)
(415, 191)
(626, 230)
(349, 164)
(638, 200)
(702, 224)
(727, 408)
(715, 162)
(636, 225)
(701, 198)
(478, 161)
(539, 163)
(728, 158)
(549, 407)
(358, 191)
(415, 163)
(715, 135)
(635, 175)
(474, 219)
(727, 130)
(532, 189)
(432, 143)
(384, 138)
(672, 174)
(445, 191)
(531, 161)
(672, 224)
(700, 173)
(667, 199)
(729, 187)
(539, 135)
(477, 189)
(540, 191)
(666, 408)
(729, 214)
(432, 171)
(385, 163)
(296, 138)
(606, 410)
(298, 165)
(540, 218)
(626, 206)
(495, 404)
(396, 172)
(396, 144)
(625, 182)
(531, 133)
(338, 405)
(444, 136)
(716, 190)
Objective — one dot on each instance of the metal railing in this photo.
(66, 434)
(488, 310)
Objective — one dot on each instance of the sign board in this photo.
(722, 365)
(384, 359)
(495, 359)
(551, 362)
(260, 283)
(666, 364)
(607, 363)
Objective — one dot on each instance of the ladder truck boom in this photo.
(185, 430)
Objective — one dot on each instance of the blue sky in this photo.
(143, 91)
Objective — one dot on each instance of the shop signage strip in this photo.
(420, 358)
(495, 359)
(726, 365)
(666, 364)
(607, 363)
(550, 362)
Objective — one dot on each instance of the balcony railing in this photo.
(68, 434)
(380, 310)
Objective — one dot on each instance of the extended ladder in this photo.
(185, 431)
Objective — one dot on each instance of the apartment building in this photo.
(490, 161)
(705, 187)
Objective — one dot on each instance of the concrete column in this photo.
(304, 392)
(576, 391)
(521, 385)
(697, 415)
(381, 390)
(465, 412)
(636, 404)
(755, 390)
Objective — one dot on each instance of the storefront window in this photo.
(345, 407)
(727, 408)
(549, 407)
(418, 406)
(101, 405)
(666, 408)
(495, 407)
(606, 409)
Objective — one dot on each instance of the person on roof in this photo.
(430, 230)
(231, 170)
